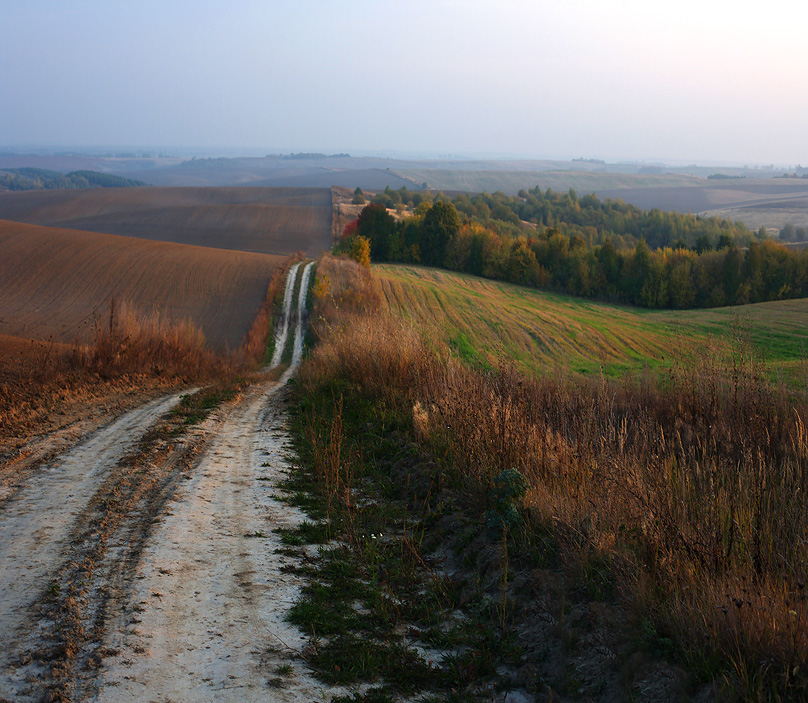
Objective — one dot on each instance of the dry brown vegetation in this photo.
(687, 489)
(277, 221)
(45, 384)
(55, 284)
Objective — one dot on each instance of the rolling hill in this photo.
(56, 283)
(487, 321)
(273, 221)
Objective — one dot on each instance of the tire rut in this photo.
(158, 576)
(206, 619)
(39, 523)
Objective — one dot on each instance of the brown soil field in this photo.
(275, 221)
(57, 284)
(771, 202)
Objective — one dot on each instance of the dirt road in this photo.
(180, 597)
(36, 523)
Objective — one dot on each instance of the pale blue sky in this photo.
(687, 80)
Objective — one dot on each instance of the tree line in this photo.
(551, 258)
(586, 217)
(43, 179)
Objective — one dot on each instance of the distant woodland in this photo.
(43, 179)
(582, 246)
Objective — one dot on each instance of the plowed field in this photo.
(55, 282)
(266, 220)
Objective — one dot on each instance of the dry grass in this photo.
(691, 486)
(129, 353)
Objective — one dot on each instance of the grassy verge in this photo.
(663, 516)
(380, 607)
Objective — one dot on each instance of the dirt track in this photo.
(37, 518)
(134, 570)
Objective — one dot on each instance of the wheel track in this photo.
(38, 523)
(206, 618)
(65, 634)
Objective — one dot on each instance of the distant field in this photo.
(510, 182)
(274, 221)
(771, 214)
(55, 282)
(771, 202)
(486, 321)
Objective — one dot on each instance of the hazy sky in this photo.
(693, 80)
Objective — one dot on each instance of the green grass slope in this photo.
(486, 321)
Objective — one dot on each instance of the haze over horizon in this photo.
(686, 81)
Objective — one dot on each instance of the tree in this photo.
(360, 250)
(703, 244)
(379, 228)
(724, 242)
(441, 224)
(358, 197)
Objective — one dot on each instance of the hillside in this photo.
(55, 283)
(487, 321)
(274, 221)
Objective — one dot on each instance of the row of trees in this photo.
(42, 179)
(551, 259)
(586, 217)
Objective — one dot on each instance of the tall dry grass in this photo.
(253, 350)
(130, 350)
(129, 342)
(693, 485)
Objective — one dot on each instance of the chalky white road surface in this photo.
(207, 619)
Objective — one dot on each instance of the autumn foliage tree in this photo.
(711, 273)
(360, 250)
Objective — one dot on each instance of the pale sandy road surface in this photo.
(187, 598)
(37, 519)
(206, 620)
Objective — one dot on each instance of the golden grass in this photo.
(690, 486)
